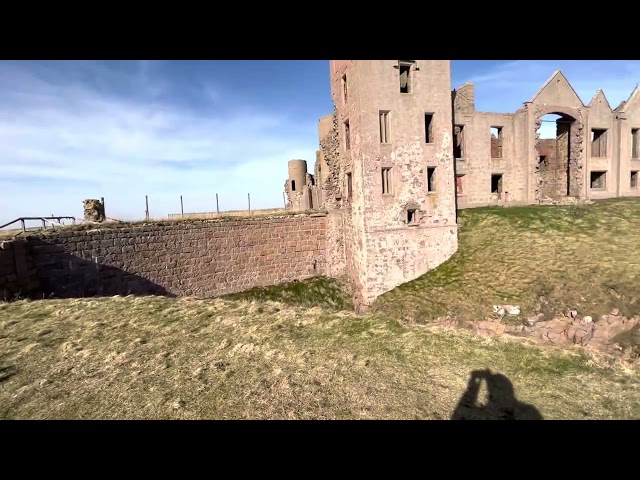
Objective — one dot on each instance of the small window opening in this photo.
(458, 141)
(598, 180)
(428, 127)
(496, 183)
(542, 159)
(635, 145)
(293, 185)
(496, 142)
(384, 127)
(344, 87)
(349, 186)
(347, 135)
(431, 179)
(598, 143)
(634, 179)
(459, 185)
(386, 180)
(405, 75)
(411, 215)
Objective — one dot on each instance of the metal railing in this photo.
(44, 220)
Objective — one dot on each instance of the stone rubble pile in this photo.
(612, 334)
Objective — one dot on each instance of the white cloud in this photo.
(506, 87)
(64, 138)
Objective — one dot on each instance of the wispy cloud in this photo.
(505, 87)
(82, 130)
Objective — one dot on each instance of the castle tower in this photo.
(396, 188)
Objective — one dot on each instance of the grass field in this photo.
(298, 352)
(184, 358)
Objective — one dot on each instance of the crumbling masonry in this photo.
(402, 151)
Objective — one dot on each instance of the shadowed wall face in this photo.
(203, 258)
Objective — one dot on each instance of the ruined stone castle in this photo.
(398, 156)
(402, 151)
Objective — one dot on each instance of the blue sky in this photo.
(71, 130)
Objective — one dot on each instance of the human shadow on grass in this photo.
(502, 403)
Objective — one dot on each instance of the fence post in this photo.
(181, 206)
(249, 199)
(217, 204)
(24, 227)
(146, 212)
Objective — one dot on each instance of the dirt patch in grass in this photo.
(546, 259)
(154, 357)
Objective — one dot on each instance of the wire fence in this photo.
(249, 211)
(56, 220)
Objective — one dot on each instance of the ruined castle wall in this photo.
(629, 120)
(553, 163)
(484, 155)
(345, 195)
(601, 117)
(200, 258)
(383, 236)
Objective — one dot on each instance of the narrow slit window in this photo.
(349, 186)
(386, 180)
(635, 143)
(428, 127)
(459, 185)
(458, 141)
(347, 135)
(384, 127)
(344, 87)
(431, 179)
(293, 185)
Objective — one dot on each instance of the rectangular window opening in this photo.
(347, 135)
(459, 184)
(598, 180)
(496, 142)
(411, 215)
(344, 87)
(458, 141)
(634, 179)
(542, 159)
(386, 180)
(349, 186)
(384, 127)
(598, 143)
(635, 143)
(404, 67)
(293, 185)
(496, 183)
(428, 127)
(431, 179)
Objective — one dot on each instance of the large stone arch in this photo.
(565, 177)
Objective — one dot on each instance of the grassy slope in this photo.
(184, 358)
(249, 356)
(584, 257)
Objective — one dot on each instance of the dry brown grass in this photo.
(156, 357)
(583, 257)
